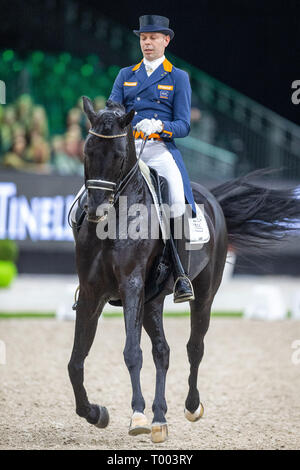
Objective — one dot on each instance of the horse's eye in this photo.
(117, 113)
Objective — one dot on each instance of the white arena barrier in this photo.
(266, 302)
(64, 310)
(295, 308)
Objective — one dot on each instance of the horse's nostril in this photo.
(85, 207)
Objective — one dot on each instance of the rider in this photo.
(160, 94)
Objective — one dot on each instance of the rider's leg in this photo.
(157, 156)
(183, 289)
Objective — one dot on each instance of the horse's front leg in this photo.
(87, 314)
(132, 292)
(153, 324)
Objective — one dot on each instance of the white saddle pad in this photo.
(198, 229)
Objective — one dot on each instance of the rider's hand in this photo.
(149, 126)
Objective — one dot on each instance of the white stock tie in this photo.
(149, 70)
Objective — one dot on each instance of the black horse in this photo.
(237, 212)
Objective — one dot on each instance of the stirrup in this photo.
(186, 295)
(74, 306)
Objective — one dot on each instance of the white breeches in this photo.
(157, 156)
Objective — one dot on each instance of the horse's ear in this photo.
(88, 109)
(127, 118)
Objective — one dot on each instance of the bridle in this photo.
(104, 185)
(111, 186)
(98, 183)
(106, 136)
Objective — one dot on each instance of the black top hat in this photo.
(154, 24)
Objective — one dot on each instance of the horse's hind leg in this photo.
(85, 330)
(153, 324)
(200, 318)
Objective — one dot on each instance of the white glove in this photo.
(149, 126)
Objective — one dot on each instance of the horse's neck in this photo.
(131, 153)
(134, 189)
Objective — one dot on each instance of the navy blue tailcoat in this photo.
(164, 95)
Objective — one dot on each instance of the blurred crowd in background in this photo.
(43, 127)
(26, 143)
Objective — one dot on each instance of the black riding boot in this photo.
(183, 289)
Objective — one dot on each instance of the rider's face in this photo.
(153, 45)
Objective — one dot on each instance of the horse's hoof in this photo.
(159, 432)
(138, 424)
(196, 415)
(103, 419)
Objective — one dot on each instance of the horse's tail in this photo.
(257, 217)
